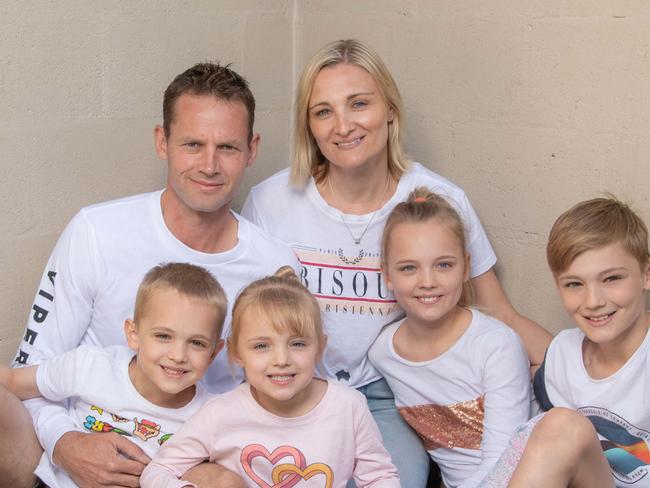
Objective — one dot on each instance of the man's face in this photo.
(207, 150)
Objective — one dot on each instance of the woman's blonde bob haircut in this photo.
(280, 301)
(307, 159)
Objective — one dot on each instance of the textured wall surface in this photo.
(529, 106)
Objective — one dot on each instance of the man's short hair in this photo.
(593, 224)
(188, 280)
(209, 79)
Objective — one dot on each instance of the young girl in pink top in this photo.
(282, 426)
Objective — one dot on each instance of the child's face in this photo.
(604, 292)
(175, 341)
(425, 269)
(278, 365)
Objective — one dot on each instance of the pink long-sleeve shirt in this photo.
(338, 439)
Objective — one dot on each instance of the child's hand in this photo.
(20, 381)
(209, 475)
(100, 459)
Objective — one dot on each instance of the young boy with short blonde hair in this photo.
(176, 333)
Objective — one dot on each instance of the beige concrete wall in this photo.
(529, 106)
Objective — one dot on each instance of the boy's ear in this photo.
(646, 283)
(131, 334)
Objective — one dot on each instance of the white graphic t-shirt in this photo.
(617, 406)
(101, 399)
(344, 276)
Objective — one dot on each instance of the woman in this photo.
(348, 171)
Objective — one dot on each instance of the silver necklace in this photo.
(357, 240)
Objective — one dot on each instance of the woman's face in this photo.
(349, 117)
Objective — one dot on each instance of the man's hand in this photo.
(105, 459)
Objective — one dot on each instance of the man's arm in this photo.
(59, 318)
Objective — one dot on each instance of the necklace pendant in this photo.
(357, 241)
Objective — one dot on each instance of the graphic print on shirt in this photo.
(97, 425)
(143, 429)
(346, 284)
(625, 446)
(447, 426)
(289, 467)
(40, 313)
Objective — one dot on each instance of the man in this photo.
(88, 287)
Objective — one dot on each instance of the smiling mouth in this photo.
(429, 300)
(281, 378)
(208, 184)
(173, 372)
(350, 144)
(599, 319)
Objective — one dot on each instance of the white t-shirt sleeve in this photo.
(249, 210)
(506, 399)
(482, 255)
(59, 318)
(65, 375)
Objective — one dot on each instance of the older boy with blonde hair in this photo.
(598, 253)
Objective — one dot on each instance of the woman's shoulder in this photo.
(274, 195)
(274, 183)
(420, 175)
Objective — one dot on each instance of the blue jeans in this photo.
(401, 442)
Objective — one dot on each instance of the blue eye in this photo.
(299, 344)
(572, 284)
(612, 278)
(260, 346)
(445, 265)
(359, 104)
(163, 337)
(322, 112)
